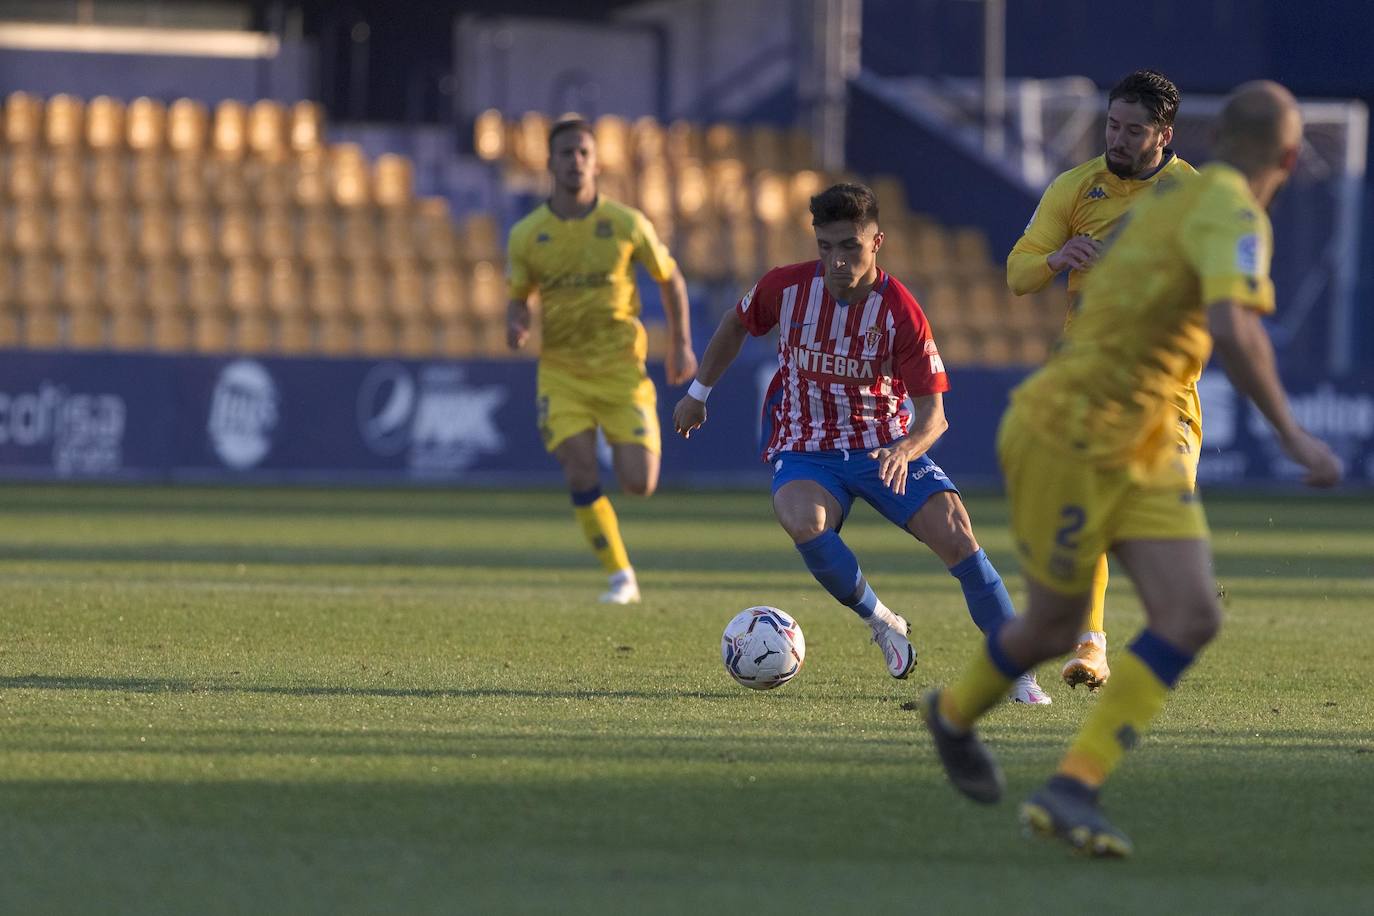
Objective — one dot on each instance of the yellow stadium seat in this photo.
(163, 298)
(9, 318)
(398, 235)
(415, 334)
(270, 182)
(393, 181)
(318, 241)
(286, 303)
(71, 230)
(113, 237)
(244, 295)
(78, 294)
(648, 142)
(358, 239)
(530, 142)
(327, 304)
(29, 227)
(612, 143)
(438, 240)
(276, 234)
(237, 235)
(146, 125)
(187, 125)
(23, 120)
(105, 123)
(37, 295)
(310, 180)
(121, 299)
(684, 142)
(487, 299)
(24, 175)
(196, 236)
(306, 127)
(64, 120)
(156, 238)
(229, 130)
(67, 176)
(367, 303)
(148, 180)
(190, 182)
(229, 186)
(267, 129)
(481, 238)
(348, 178)
(210, 321)
(489, 136)
(109, 182)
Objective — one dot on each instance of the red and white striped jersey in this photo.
(843, 370)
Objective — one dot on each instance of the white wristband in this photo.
(699, 391)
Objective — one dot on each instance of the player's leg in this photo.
(1088, 666)
(636, 468)
(577, 456)
(940, 521)
(810, 503)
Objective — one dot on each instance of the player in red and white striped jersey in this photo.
(852, 344)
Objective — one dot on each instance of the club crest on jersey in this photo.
(871, 338)
(603, 229)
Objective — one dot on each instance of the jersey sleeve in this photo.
(518, 278)
(915, 356)
(1229, 243)
(650, 251)
(1049, 228)
(758, 309)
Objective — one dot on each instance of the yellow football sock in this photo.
(981, 687)
(1129, 703)
(1098, 609)
(603, 533)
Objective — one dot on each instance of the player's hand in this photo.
(1078, 253)
(892, 465)
(1323, 467)
(682, 363)
(517, 334)
(688, 415)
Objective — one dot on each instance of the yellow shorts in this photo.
(1066, 513)
(624, 406)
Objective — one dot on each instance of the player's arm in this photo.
(682, 362)
(724, 347)
(928, 424)
(521, 285)
(1049, 245)
(1243, 348)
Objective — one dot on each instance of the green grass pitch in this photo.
(288, 701)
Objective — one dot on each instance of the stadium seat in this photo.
(162, 296)
(406, 295)
(481, 238)
(210, 322)
(489, 136)
(269, 182)
(971, 250)
(685, 142)
(244, 295)
(318, 241)
(487, 297)
(108, 179)
(36, 295)
(121, 301)
(770, 198)
(229, 130)
(267, 130)
(9, 319)
(147, 179)
(195, 234)
(105, 123)
(146, 125)
(187, 124)
(648, 142)
(613, 144)
(71, 230)
(156, 235)
(23, 120)
(78, 294)
(530, 142)
(237, 236)
(692, 192)
(276, 236)
(64, 121)
(349, 183)
(398, 235)
(306, 127)
(309, 180)
(24, 175)
(190, 186)
(957, 348)
(449, 305)
(358, 238)
(327, 305)
(286, 303)
(367, 304)
(1031, 349)
(438, 241)
(113, 237)
(29, 227)
(67, 176)
(393, 181)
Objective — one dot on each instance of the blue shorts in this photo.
(849, 474)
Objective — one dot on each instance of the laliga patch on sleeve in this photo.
(937, 365)
(748, 298)
(1034, 214)
(1248, 254)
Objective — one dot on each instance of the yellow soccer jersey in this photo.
(584, 273)
(1108, 392)
(1086, 200)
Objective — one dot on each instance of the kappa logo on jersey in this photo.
(541, 237)
(603, 229)
(827, 367)
(1095, 194)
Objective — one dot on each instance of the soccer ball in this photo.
(762, 648)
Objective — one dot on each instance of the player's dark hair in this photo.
(849, 203)
(1154, 91)
(567, 124)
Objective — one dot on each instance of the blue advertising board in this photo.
(105, 416)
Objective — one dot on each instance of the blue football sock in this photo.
(987, 599)
(837, 570)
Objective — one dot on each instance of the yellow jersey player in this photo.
(1075, 216)
(578, 252)
(1089, 452)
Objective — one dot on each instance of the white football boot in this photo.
(624, 589)
(1025, 689)
(891, 636)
